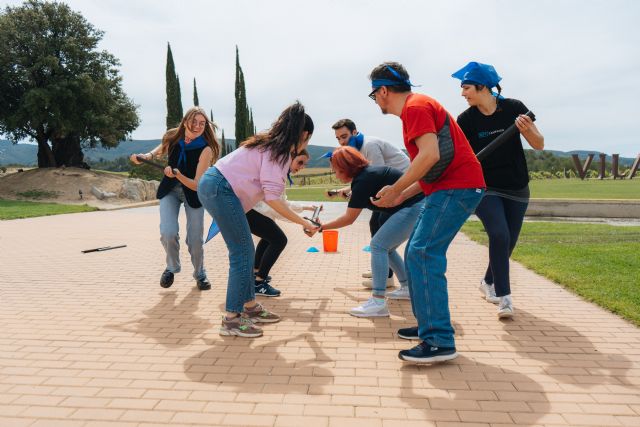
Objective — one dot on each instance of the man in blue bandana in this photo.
(379, 153)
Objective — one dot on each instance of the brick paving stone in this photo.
(91, 340)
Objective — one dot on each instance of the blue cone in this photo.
(313, 249)
(367, 249)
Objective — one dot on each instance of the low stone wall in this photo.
(584, 208)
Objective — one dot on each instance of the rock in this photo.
(100, 194)
(138, 189)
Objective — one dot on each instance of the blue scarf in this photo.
(197, 143)
(356, 141)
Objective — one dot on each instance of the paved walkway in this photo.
(92, 340)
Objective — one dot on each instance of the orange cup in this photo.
(330, 240)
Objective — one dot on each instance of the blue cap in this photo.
(477, 73)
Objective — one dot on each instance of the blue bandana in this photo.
(476, 73)
(326, 155)
(376, 83)
(197, 143)
(356, 141)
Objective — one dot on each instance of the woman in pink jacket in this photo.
(256, 171)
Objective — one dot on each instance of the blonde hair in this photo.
(172, 136)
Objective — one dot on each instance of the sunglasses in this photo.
(372, 95)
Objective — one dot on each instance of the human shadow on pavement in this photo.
(566, 355)
(172, 323)
(240, 366)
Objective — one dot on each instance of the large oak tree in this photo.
(56, 87)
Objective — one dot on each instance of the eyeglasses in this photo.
(198, 124)
(301, 163)
(372, 95)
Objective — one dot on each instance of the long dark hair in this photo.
(285, 134)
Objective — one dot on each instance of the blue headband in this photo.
(477, 73)
(376, 83)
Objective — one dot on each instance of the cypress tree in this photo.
(242, 110)
(174, 106)
(251, 129)
(179, 101)
(223, 146)
(196, 101)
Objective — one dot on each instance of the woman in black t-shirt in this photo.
(505, 171)
(366, 181)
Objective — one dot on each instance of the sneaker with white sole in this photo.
(402, 293)
(239, 326)
(369, 283)
(373, 307)
(505, 308)
(367, 275)
(488, 292)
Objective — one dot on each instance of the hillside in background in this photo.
(25, 154)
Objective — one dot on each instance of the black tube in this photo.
(506, 135)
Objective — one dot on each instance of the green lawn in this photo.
(541, 188)
(588, 189)
(312, 193)
(12, 209)
(601, 263)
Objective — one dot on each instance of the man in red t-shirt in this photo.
(444, 167)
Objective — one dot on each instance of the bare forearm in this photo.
(339, 222)
(282, 208)
(534, 138)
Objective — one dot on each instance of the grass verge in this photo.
(598, 262)
(13, 209)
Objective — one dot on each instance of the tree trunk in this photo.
(67, 152)
(45, 155)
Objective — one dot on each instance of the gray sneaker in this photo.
(402, 293)
(488, 292)
(505, 308)
(259, 314)
(239, 326)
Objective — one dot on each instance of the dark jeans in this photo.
(377, 219)
(272, 242)
(502, 219)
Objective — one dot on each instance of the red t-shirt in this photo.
(422, 114)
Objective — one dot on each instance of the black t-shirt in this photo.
(367, 184)
(506, 167)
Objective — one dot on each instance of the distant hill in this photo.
(25, 154)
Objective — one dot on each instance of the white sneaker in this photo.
(369, 283)
(505, 308)
(371, 308)
(402, 293)
(367, 275)
(488, 292)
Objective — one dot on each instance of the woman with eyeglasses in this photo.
(272, 239)
(503, 206)
(351, 166)
(256, 171)
(192, 147)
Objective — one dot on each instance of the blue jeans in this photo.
(392, 234)
(426, 259)
(169, 232)
(502, 218)
(221, 202)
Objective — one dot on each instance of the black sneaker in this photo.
(166, 280)
(204, 284)
(263, 288)
(409, 333)
(426, 353)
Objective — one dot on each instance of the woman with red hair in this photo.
(352, 167)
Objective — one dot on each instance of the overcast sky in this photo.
(574, 63)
